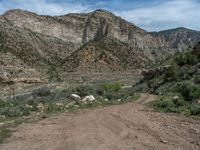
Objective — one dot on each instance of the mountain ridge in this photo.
(42, 40)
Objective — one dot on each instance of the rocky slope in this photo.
(107, 54)
(80, 28)
(179, 38)
(63, 43)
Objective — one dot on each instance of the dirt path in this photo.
(124, 127)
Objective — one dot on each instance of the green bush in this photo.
(166, 104)
(163, 105)
(4, 133)
(197, 79)
(188, 90)
(194, 109)
(100, 91)
(188, 58)
(172, 72)
(116, 86)
(13, 109)
(16, 111)
(178, 102)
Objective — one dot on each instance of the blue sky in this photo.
(152, 15)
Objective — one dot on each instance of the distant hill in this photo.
(97, 41)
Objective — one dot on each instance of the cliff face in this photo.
(81, 28)
(41, 41)
(179, 38)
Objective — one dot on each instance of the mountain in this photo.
(107, 54)
(94, 42)
(179, 38)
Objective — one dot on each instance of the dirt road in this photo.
(124, 127)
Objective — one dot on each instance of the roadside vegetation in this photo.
(178, 85)
(43, 101)
(4, 133)
(59, 100)
(181, 97)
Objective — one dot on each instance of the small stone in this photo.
(136, 136)
(2, 124)
(41, 107)
(29, 106)
(59, 104)
(163, 141)
(119, 100)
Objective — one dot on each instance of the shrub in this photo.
(179, 102)
(172, 72)
(197, 79)
(163, 104)
(194, 109)
(188, 58)
(42, 92)
(83, 90)
(188, 90)
(166, 104)
(116, 86)
(101, 91)
(16, 111)
(4, 133)
(13, 109)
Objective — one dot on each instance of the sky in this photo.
(151, 15)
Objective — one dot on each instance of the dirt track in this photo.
(123, 127)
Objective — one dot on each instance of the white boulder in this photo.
(106, 100)
(175, 98)
(89, 98)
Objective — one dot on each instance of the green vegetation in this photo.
(106, 94)
(171, 74)
(178, 85)
(179, 97)
(188, 58)
(59, 99)
(188, 90)
(116, 86)
(4, 133)
(179, 105)
(13, 109)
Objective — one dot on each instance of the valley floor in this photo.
(121, 127)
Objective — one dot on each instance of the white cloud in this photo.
(163, 14)
(43, 6)
(166, 15)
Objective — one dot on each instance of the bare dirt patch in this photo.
(123, 127)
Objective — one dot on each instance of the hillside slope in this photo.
(45, 42)
(81, 28)
(109, 55)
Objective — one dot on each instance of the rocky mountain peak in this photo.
(14, 11)
(18, 12)
(102, 12)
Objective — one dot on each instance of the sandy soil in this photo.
(124, 127)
